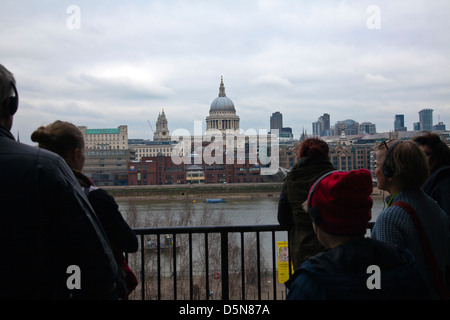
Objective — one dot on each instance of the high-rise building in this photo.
(416, 126)
(276, 121)
(426, 119)
(325, 119)
(348, 127)
(322, 126)
(367, 128)
(399, 123)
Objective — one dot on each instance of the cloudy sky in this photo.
(105, 63)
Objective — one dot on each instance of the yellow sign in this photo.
(283, 261)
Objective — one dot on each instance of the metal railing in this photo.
(163, 250)
(224, 233)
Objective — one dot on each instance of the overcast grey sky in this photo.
(121, 62)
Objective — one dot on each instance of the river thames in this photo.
(193, 212)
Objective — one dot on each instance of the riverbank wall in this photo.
(235, 191)
(242, 191)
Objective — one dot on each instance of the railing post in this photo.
(174, 257)
(258, 263)
(242, 267)
(207, 266)
(224, 265)
(158, 253)
(191, 284)
(142, 268)
(274, 277)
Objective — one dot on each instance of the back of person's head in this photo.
(59, 137)
(340, 202)
(439, 151)
(6, 82)
(313, 147)
(406, 163)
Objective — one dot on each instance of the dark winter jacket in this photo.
(48, 225)
(296, 187)
(121, 237)
(291, 215)
(437, 187)
(343, 273)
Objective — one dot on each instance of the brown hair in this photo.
(312, 147)
(408, 162)
(440, 152)
(59, 137)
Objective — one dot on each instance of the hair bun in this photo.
(316, 151)
(40, 136)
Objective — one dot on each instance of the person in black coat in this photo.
(313, 162)
(437, 152)
(49, 232)
(67, 140)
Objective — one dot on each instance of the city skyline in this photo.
(106, 63)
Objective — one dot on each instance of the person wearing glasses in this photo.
(402, 169)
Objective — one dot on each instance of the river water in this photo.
(162, 213)
(188, 212)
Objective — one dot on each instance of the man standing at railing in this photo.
(51, 243)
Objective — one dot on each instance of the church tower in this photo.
(162, 129)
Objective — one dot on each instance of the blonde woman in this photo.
(402, 169)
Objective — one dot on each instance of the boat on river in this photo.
(214, 200)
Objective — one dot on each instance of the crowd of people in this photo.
(54, 218)
(407, 253)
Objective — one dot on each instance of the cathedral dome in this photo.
(222, 102)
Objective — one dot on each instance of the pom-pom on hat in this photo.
(340, 202)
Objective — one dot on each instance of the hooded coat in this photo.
(291, 215)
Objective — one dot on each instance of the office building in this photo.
(439, 127)
(276, 121)
(322, 126)
(367, 128)
(105, 139)
(426, 119)
(399, 123)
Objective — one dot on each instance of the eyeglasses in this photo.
(385, 142)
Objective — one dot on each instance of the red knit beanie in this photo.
(343, 202)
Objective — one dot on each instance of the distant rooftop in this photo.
(102, 131)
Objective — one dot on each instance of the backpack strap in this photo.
(437, 273)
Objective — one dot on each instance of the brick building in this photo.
(161, 170)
